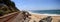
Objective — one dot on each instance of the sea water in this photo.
(46, 11)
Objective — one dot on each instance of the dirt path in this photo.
(9, 17)
(19, 18)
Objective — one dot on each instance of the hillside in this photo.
(7, 6)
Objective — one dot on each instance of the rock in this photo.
(26, 16)
(48, 19)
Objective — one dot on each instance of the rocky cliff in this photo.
(7, 6)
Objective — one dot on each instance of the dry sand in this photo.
(37, 17)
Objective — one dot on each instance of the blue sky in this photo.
(37, 4)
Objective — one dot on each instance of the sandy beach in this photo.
(37, 17)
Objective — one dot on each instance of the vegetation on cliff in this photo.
(7, 6)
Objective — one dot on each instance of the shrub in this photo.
(1, 13)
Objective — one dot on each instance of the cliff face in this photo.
(7, 6)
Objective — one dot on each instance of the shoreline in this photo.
(44, 14)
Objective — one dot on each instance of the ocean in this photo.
(46, 11)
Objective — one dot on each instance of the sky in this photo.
(37, 4)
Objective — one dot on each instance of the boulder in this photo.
(47, 19)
